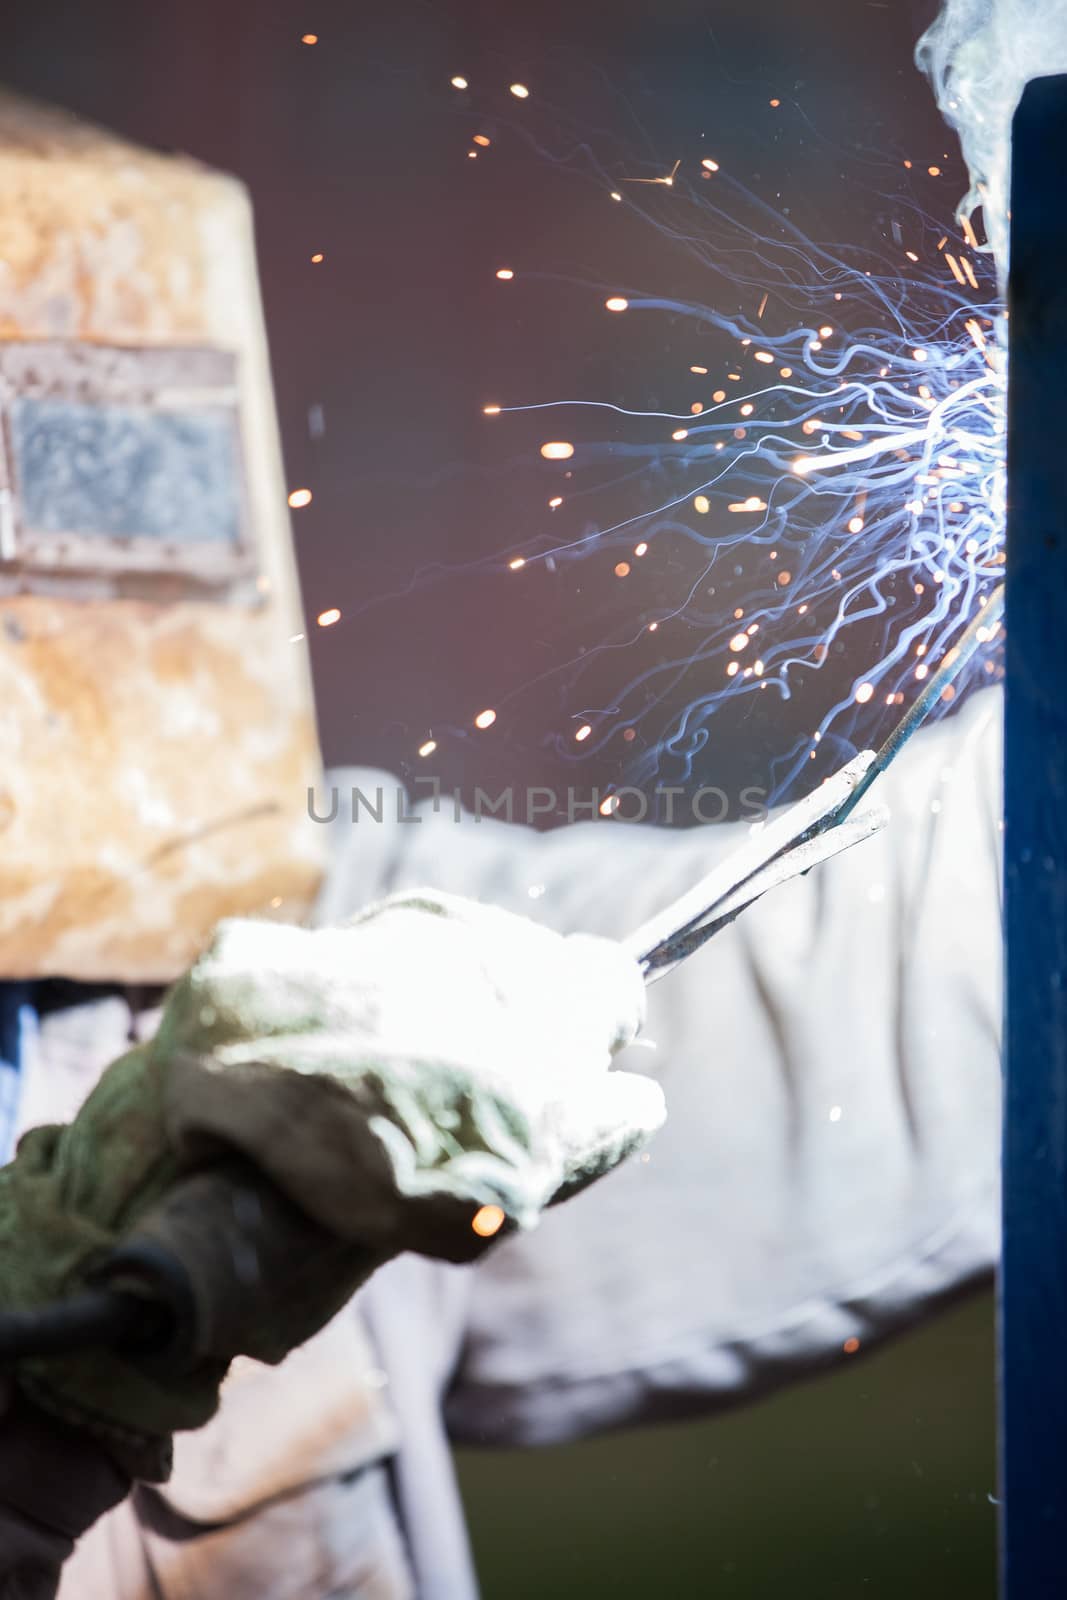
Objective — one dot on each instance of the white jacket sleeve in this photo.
(828, 1172)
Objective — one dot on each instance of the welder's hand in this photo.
(411, 1081)
(396, 1074)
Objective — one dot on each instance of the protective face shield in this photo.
(156, 724)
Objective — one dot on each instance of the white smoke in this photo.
(979, 56)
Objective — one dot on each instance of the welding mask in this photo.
(156, 724)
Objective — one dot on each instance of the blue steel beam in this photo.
(1033, 1282)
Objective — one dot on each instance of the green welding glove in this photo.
(420, 1079)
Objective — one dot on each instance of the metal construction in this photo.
(1033, 1288)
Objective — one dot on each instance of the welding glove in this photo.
(414, 1080)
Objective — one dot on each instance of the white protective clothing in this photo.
(827, 1172)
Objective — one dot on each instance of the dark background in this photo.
(875, 1483)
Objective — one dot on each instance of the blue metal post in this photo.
(1033, 1285)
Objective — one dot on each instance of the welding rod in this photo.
(810, 832)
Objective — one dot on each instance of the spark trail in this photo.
(838, 491)
(861, 470)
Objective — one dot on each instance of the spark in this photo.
(668, 179)
(428, 748)
(519, 90)
(318, 257)
(487, 1221)
(888, 518)
(485, 719)
(459, 83)
(326, 619)
(505, 274)
(309, 38)
(299, 498)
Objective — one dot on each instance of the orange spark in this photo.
(487, 1220)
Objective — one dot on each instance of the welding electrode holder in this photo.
(189, 1283)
